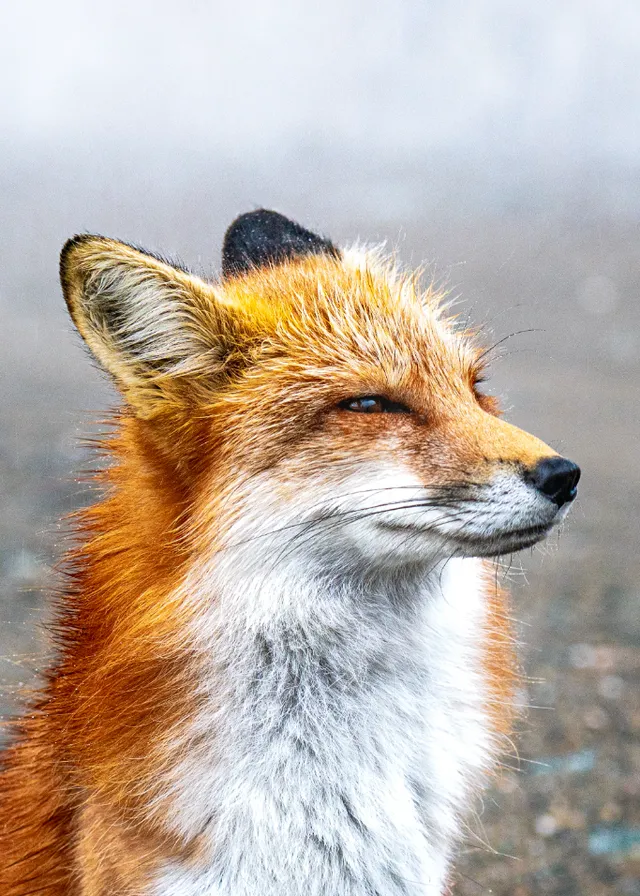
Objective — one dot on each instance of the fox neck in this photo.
(338, 738)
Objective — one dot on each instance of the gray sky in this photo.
(550, 77)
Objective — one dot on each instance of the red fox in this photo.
(284, 667)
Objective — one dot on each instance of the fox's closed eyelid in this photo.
(373, 404)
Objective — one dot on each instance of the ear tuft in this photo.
(264, 237)
(149, 324)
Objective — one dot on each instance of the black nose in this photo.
(556, 478)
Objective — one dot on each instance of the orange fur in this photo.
(82, 809)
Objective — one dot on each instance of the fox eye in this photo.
(373, 404)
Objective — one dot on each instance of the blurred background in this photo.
(497, 140)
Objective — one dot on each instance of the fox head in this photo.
(315, 394)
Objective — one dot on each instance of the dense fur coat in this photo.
(282, 669)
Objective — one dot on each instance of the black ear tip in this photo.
(265, 237)
(72, 244)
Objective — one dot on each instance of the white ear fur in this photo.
(148, 324)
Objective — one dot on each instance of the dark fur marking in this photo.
(419, 794)
(80, 238)
(266, 652)
(399, 882)
(353, 818)
(261, 238)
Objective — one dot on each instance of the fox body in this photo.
(284, 666)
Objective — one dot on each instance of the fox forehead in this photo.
(351, 323)
(315, 331)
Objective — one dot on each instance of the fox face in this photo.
(316, 400)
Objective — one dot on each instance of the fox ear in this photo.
(264, 238)
(149, 324)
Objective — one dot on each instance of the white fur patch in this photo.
(344, 721)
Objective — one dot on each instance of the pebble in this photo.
(596, 718)
(611, 687)
(546, 825)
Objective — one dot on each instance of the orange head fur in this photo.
(264, 359)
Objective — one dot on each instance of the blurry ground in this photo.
(564, 816)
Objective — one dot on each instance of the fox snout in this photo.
(556, 478)
(552, 476)
(512, 489)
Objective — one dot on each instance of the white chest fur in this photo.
(339, 741)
